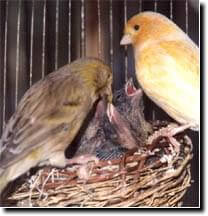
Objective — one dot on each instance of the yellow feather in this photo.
(167, 65)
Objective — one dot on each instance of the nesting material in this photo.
(142, 178)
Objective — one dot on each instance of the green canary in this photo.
(50, 115)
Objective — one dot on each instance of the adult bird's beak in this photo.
(110, 111)
(109, 94)
(126, 39)
(107, 99)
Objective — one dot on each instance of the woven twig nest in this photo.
(159, 177)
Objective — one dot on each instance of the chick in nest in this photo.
(127, 130)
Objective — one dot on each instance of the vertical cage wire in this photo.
(155, 5)
(69, 34)
(171, 9)
(31, 41)
(57, 35)
(187, 16)
(43, 39)
(111, 33)
(83, 39)
(5, 64)
(99, 29)
(18, 53)
(125, 47)
(140, 5)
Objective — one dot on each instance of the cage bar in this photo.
(125, 47)
(111, 33)
(99, 29)
(91, 30)
(171, 9)
(187, 15)
(44, 39)
(31, 41)
(140, 5)
(155, 5)
(83, 44)
(57, 35)
(105, 30)
(5, 65)
(75, 29)
(69, 33)
(18, 53)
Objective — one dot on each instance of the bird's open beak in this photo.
(126, 39)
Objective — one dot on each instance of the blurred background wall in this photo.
(37, 37)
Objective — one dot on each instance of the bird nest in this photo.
(152, 176)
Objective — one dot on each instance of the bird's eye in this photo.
(136, 27)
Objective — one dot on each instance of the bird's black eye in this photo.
(136, 27)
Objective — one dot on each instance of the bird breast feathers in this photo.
(169, 72)
(168, 59)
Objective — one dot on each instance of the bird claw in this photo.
(169, 131)
(84, 170)
(83, 159)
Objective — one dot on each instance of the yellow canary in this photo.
(167, 65)
(50, 115)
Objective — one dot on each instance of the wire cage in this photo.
(38, 37)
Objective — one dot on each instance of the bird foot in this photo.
(84, 170)
(82, 159)
(168, 132)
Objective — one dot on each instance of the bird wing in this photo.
(169, 73)
(51, 106)
(186, 59)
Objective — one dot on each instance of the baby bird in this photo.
(127, 128)
(50, 115)
(167, 66)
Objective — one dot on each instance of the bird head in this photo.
(97, 77)
(150, 27)
(103, 81)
